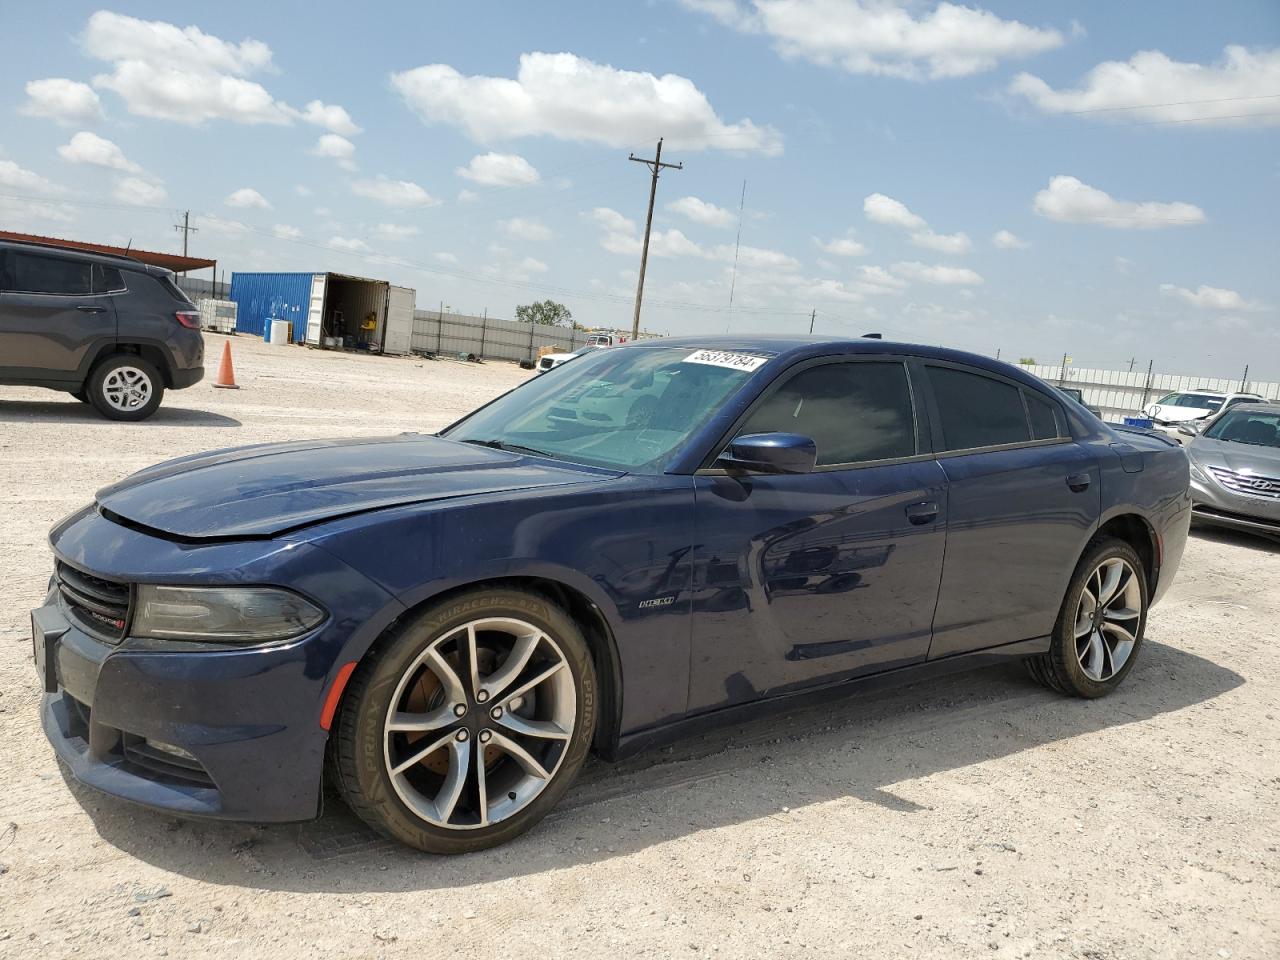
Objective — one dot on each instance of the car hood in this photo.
(265, 490)
(1238, 457)
(1170, 414)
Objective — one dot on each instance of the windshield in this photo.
(624, 408)
(1198, 401)
(1242, 426)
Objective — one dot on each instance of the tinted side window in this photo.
(977, 411)
(853, 411)
(106, 279)
(1043, 415)
(31, 273)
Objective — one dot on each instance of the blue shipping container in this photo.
(263, 297)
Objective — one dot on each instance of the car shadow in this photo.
(63, 411)
(1235, 538)
(857, 747)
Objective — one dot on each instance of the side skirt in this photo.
(641, 740)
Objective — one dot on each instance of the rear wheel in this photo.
(125, 387)
(1101, 624)
(466, 726)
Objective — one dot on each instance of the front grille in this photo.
(1247, 484)
(100, 606)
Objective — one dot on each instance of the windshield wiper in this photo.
(509, 447)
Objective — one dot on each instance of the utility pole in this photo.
(1132, 361)
(813, 315)
(1244, 380)
(656, 165)
(1062, 371)
(185, 228)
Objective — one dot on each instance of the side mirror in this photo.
(771, 453)
(1188, 431)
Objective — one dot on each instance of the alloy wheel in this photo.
(479, 723)
(126, 388)
(1107, 619)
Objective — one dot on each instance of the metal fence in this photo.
(198, 288)
(451, 334)
(1123, 393)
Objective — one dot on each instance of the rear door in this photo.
(1023, 497)
(810, 578)
(54, 314)
(399, 326)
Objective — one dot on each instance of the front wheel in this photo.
(125, 388)
(1100, 627)
(464, 727)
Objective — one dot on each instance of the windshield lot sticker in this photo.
(723, 358)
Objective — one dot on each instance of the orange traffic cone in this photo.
(226, 372)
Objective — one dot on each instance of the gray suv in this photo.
(111, 331)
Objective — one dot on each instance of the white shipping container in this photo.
(217, 315)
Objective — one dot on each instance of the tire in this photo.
(125, 387)
(1092, 663)
(412, 783)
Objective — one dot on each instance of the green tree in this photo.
(548, 312)
(1027, 361)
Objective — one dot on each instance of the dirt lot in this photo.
(976, 815)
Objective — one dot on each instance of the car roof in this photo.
(1262, 406)
(96, 256)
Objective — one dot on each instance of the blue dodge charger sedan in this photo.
(650, 538)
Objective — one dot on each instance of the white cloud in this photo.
(466, 196)
(1157, 87)
(332, 117)
(348, 244)
(223, 226)
(286, 232)
(884, 209)
(530, 265)
(880, 280)
(302, 190)
(322, 211)
(139, 192)
(700, 211)
(499, 170)
(612, 220)
(1004, 240)
(396, 231)
(940, 275)
(336, 147)
(758, 257)
(570, 98)
(20, 178)
(181, 73)
(878, 37)
(1211, 298)
(841, 247)
(1068, 200)
(446, 258)
(247, 198)
(33, 215)
(620, 235)
(954, 243)
(66, 101)
(520, 228)
(90, 148)
(393, 193)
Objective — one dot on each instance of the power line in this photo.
(1175, 103)
(656, 166)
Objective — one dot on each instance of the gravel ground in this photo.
(974, 815)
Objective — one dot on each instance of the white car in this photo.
(1187, 408)
(550, 361)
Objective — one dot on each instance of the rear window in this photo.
(107, 279)
(1043, 416)
(977, 411)
(34, 273)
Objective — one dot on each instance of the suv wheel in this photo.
(1100, 627)
(467, 724)
(125, 388)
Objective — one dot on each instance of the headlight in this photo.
(1197, 473)
(222, 614)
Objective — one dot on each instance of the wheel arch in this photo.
(153, 353)
(585, 611)
(1137, 531)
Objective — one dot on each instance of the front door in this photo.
(51, 318)
(811, 578)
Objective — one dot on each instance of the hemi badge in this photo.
(657, 602)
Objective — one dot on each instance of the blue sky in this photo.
(477, 152)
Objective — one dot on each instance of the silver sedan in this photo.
(1235, 469)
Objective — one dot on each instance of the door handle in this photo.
(922, 513)
(92, 309)
(1078, 482)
